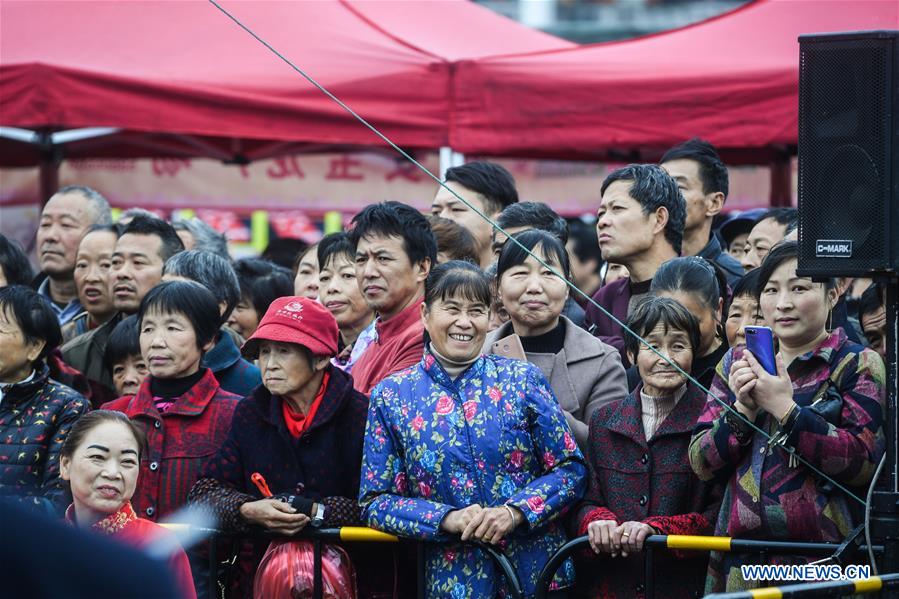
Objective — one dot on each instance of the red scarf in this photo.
(298, 423)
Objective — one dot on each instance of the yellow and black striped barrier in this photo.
(362, 534)
(350, 534)
(836, 588)
(345, 534)
(692, 543)
(731, 545)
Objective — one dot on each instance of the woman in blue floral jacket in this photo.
(472, 446)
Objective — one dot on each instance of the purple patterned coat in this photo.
(766, 497)
(651, 482)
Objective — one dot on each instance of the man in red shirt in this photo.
(394, 251)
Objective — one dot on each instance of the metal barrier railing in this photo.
(837, 588)
(691, 543)
(350, 534)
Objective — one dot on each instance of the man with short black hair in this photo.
(769, 230)
(586, 259)
(702, 179)
(527, 215)
(535, 215)
(64, 219)
(640, 225)
(873, 318)
(215, 273)
(485, 185)
(394, 249)
(137, 262)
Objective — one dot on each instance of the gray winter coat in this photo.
(585, 375)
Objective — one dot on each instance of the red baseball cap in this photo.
(299, 320)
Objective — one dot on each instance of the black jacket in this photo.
(35, 419)
(85, 354)
(324, 462)
(713, 252)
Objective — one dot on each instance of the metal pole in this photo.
(502, 562)
(691, 543)
(885, 502)
(420, 552)
(449, 158)
(317, 587)
(213, 569)
(649, 584)
(781, 180)
(892, 392)
(446, 160)
(838, 588)
(48, 170)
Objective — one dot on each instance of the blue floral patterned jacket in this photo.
(495, 435)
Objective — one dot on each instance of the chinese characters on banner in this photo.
(298, 190)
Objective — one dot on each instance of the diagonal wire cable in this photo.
(496, 227)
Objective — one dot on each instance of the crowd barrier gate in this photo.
(692, 543)
(651, 544)
(350, 534)
(817, 589)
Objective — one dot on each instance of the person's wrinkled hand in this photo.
(457, 520)
(603, 537)
(274, 515)
(632, 534)
(492, 525)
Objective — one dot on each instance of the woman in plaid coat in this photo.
(180, 406)
(641, 483)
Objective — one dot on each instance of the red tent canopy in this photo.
(184, 68)
(732, 79)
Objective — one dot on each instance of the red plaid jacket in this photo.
(179, 441)
(632, 479)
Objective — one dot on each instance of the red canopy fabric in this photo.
(732, 80)
(185, 68)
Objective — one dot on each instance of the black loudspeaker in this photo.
(849, 154)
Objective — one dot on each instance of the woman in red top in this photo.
(100, 460)
(180, 406)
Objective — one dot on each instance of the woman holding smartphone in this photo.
(825, 403)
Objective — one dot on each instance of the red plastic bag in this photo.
(287, 569)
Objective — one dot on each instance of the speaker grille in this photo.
(844, 158)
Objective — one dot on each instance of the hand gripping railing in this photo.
(837, 588)
(690, 543)
(350, 534)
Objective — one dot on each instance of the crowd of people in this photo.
(447, 380)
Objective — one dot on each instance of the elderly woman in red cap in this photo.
(301, 430)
